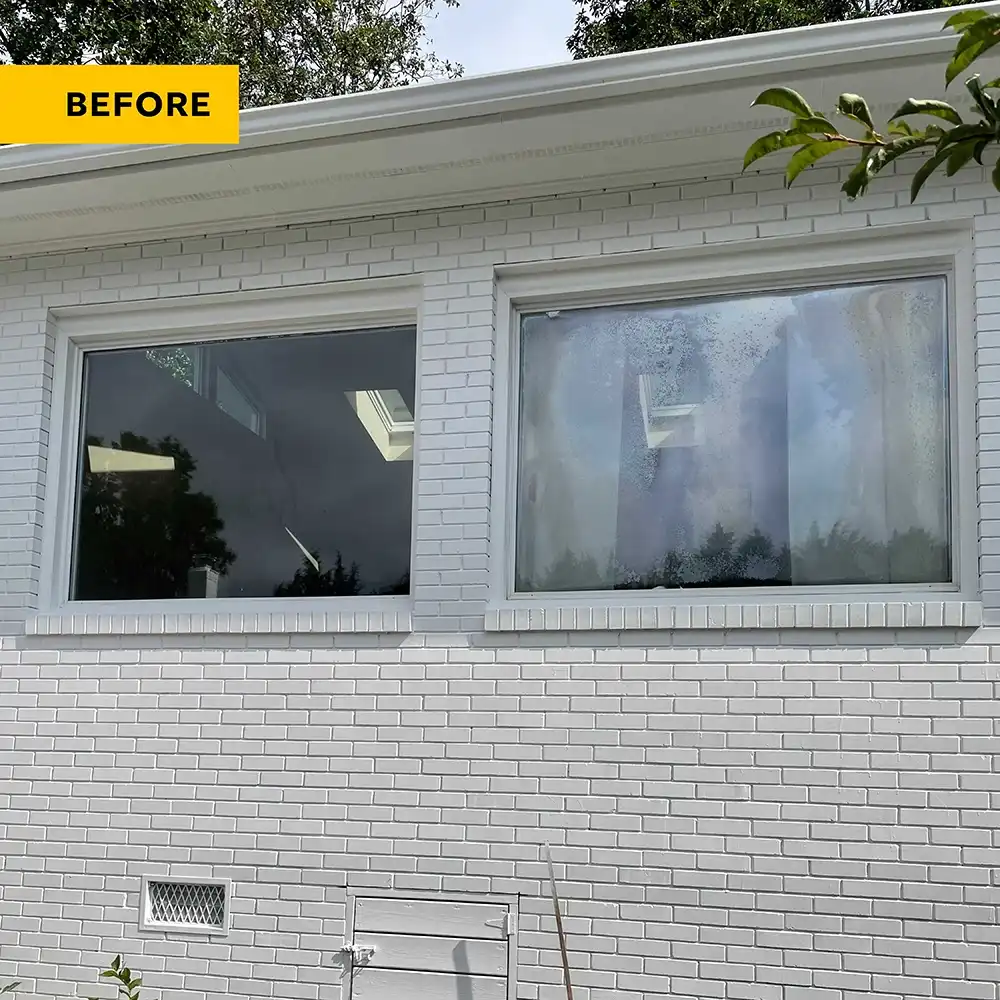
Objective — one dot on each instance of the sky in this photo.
(490, 36)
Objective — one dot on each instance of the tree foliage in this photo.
(951, 140)
(310, 581)
(287, 50)
(840, 556)
(120, 973)
(140, 534)
(128, 985)
(604, 27)
(294, 50)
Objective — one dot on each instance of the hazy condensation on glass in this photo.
(792, 439)
(247, 468)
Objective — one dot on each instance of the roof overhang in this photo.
(610, 121)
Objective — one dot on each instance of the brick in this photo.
(778, 813)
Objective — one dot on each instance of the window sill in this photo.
(560, 617)
(299, 618)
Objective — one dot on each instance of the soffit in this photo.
(647, 115)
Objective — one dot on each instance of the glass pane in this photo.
(232, 401)
(771, 440)
(242, 469)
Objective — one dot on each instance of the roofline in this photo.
(714, 62)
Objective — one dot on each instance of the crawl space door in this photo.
(431, 949)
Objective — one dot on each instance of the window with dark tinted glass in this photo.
(796, 439)
(266, 467)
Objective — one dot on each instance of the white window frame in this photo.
(748, 267)
(346, 306)
(146, 923)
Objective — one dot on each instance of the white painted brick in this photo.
(773, 816)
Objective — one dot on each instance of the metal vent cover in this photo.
(186, 904)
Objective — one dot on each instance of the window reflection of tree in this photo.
(311, 580)
(725, 559)
(140, 533)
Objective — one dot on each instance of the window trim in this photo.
(344, 306)
(745, 267)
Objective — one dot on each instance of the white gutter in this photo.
(707, 64)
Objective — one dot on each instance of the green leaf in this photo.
(978, 37)
(926, 169)
(940, 109)
(787, 100)
(875, 160)
(962, 132)
(856, 107)
(772, 142)
(986, 104)
(963, 18)
(977, 153)
(996, 175)
(809, 154)
(857, 179)
(976, 31)
(817, 123)
(116, 963)
(960, 155)
(889, 152)
(9, 988)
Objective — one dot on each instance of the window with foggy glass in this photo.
(266, 467)
(796, 439)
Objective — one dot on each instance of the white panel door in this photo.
(431, 949)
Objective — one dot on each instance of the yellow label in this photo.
(126, 105)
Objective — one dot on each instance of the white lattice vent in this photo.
(186, 905)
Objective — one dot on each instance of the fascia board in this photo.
(716, 63)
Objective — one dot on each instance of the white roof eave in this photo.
(578, 125)
(711, 63)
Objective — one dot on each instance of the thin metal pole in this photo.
(559, 925)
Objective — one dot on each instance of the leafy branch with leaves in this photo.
(952, 144)
(128, 986)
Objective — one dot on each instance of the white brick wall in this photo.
(794, 816)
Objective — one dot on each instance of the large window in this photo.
(795, 439)
(267, 467)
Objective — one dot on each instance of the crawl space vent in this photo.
(186, 904)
